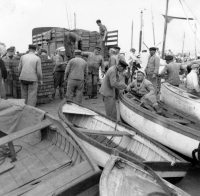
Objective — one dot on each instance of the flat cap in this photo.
(11, 49)
(117, 47)
(98, 47)
(77, 52)
(153, 48)
(132, 49)
(195, 65)
(31, 46)
(123, 63)
(62, 49)
(169, 57)
(43, 50)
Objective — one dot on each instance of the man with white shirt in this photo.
(192, 81)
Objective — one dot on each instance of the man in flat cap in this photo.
(103, 33)
(152, 68)
(144, 90)
(75, 74)
(110, 83)
(192, 80)
(30, 74)
(10, 54)
(173, 69)
(59, 70)
(94, 61)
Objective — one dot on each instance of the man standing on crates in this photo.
(30, 74)
(59, 70)
(103, 33)
(94, 61)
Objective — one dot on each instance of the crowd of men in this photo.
(136, 74)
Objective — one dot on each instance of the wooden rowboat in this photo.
(57, 164)
(121, 177)
(173, 129)
(101, 134)
(180, 100)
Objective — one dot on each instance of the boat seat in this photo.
(180, 121)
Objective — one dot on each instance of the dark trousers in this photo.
(92, 84)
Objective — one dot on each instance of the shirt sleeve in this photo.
(86, 71)
(157, 64)
(102, 65)
(20, 65)
(114, 83)
(196, 83)
(150, 87)
(67, 70)
(39, 69)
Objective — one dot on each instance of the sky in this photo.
(19, 17)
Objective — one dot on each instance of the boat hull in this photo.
(156, 127)
(180, 100)
(100, 148)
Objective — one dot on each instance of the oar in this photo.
(107, 133)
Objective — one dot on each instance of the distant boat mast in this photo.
(165, 29)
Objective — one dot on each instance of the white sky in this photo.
(19, 17)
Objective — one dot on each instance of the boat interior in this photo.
(36, 154)
(111, 134)
(167, 112)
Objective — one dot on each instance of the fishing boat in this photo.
(172, 128)
(121, 177)
(42, 156)
(180, 100)
(101, 134)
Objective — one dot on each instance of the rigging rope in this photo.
(67, 15)
(188, 20)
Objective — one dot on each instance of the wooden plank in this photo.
(14, 172)
(184, 122)
(48, 160)
(7, 181)
(110, 133)
(35, 166)
(113, 40)
(66, 178)
(58, 154)
(25, 131)
(24, 173)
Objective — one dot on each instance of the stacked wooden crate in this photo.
(45, 90)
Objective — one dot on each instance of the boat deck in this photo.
(33, 162)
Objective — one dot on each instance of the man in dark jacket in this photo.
(3, 76)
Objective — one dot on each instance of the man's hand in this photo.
(154, 75)
(128, 88)
(102, 74)
(41, 82)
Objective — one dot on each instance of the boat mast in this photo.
(195, 38)
(140, 42)
(165, 29)
(183, 42)
(132, 35)
(74, 20)
(154, 41)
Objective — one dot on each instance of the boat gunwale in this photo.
(109, 150)
(157, 119)
(166, 84)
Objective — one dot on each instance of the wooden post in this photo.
(140, 43)
(74, 20)
(154, 41)
(132, 35)
(165, 29)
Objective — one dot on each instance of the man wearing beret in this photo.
(152, 68)
(172, 69)
(144, 90)
(192, 80)
(94, 61)
(75, 74)
(30, 74)
(110, 83)
(10, 53)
